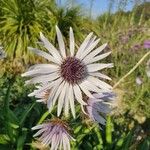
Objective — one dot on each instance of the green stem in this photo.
(6, 103)
(126, 75)
(43, 117)
(7, 110)
(26, 114)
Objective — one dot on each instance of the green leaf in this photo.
(13, 125)
(109, 130)
(21, 139)
(4, 139)
(128, 140)
(145, 145)
(100, 140)
(25, 114)
(77, 129)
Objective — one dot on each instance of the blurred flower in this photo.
(138, 80)
(148, 68)
(42, 95)
(54, 133)
(2, 53)
(124, 39)
(70, 74)
(136, 47)
(147, 44)
(140, 118)
(97, 108)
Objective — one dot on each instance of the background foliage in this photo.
(20, 23)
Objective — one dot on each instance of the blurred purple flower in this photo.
(147, 44)
(54, 133)
(124, 39)
(97, 108)
(136, 47)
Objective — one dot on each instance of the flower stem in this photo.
(43, 117)
(126, 75)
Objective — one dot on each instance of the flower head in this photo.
(42, 96)
(54, 133)
(97, 108)
(69, 75)
(147, 44)
(138, 80)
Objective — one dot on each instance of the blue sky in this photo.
(99, 6)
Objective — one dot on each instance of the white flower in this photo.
(69, 74)
(138, 80)
(54, 133)
(97, 108)
(41, 95)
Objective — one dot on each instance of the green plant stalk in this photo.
(43, 117)
(26, 114)
(126, 75)
(6, 101)
(6, 109)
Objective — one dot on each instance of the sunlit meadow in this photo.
(73, 80)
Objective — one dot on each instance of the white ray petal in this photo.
(66, 101)
(64, 142)
(61, 143)
(83, 45)
(39, 126)
(91, 87)
(100, 75)
(55, 92)
(61, 42)
(67, 142)
(62, 99)
(72, 43)
(39, 71)
(52, 133)
(52, 50)
(58, 140)
(42, 89)
(86, 91)
(96, 51)
(82, 108)
(71, 100)
(43, 78)
(89, 49)
(99, 118)
(99, 83)
(41, 100)
(98, 66)
(44, 54)
(97, 58)
(53, 144)
(78, 94)
(43, 66)
(39, 132)
(47, 139)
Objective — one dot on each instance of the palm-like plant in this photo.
(71, 17)
(21, 22)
